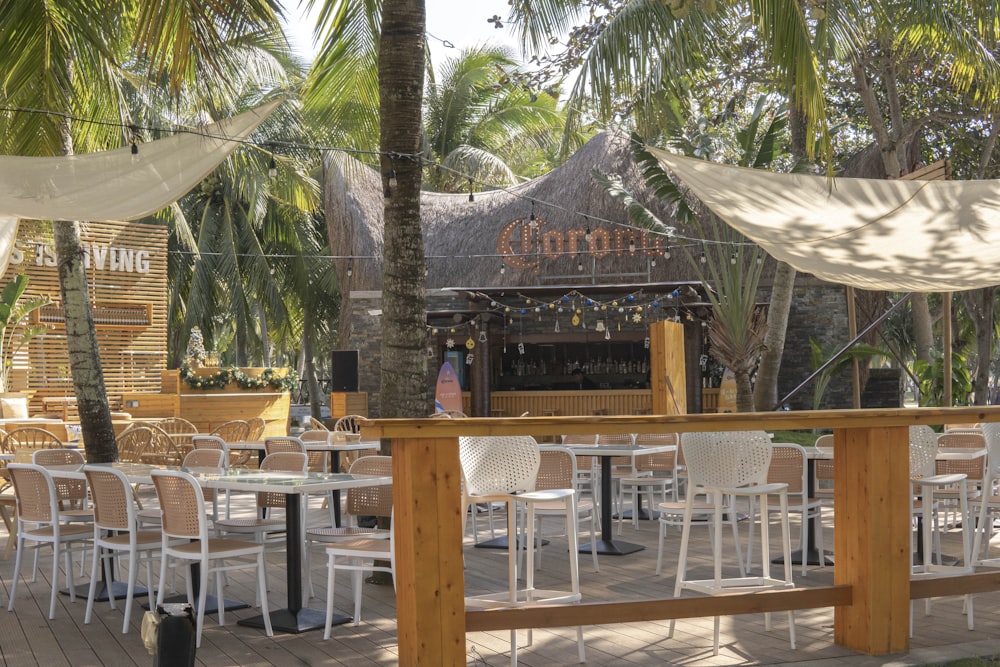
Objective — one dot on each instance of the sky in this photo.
(463, 23)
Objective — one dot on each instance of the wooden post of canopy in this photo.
(667, 377)
(430, 593)
(872, 540)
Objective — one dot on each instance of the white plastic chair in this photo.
(183, 506)
(655, 475)
(38, 524)
(504, 469)
(357, 556)
(732, 463)
(925, 482)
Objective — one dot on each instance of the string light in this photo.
(666, 253)
(703, 259)
(631, 244)
(471, 197)
(532, 221)
(272, 168)
(732, 258)
(503, 268)
(350, 268)
(392, 178)
(579, 263)
(135, 151)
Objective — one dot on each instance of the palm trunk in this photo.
(404, 390)
(766, 390)
(81, 338)
(982, 300)
(744, 391)
(922, 326)
(309, 365)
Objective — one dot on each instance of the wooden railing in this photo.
(871, 592)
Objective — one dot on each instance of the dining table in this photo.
(607, 544)
(294, 618)
(332, 446)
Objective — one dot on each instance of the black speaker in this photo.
(344, 370)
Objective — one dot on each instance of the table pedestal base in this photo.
(118, 588)
(211, 603)
(502, 543)
(294, 622)
(812, 557)
(612, 547)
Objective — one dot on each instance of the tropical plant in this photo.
(931, 377)
(15, 333)
(818, 356)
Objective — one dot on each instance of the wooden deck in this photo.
(27, 637)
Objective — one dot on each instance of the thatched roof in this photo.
(461, 237)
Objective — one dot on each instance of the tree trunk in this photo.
(81, 337)
(309, 366)
(766, 390)
(923, 334)
(744, 391)
(982, 309)
(404, 389)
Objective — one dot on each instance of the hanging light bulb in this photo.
(135, 151)
(272, 168)
(666, 253)
(350, 268)
(703, 259)
(503, 268)
(532, 220)
(392, 178)
(652, 262)
(732, 258)
(631, 244)
(587, 236)
(471, 197)
(579, 263)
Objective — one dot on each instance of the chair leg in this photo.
(202, 597)
(92, 591)
(262, 587)
(330, 570)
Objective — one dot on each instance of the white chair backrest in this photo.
(499, 464)
(579, 439)
(923, 450)
(182, 503)
(556, 470)
(727, 459)
(114, 506)
(788, 465)
(825, 442)
(991, 433)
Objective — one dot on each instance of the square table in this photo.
(607, 544)
(295, 618)
(335, 448)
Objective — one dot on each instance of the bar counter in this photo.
(571, 402)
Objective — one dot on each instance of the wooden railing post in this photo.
(872, 537)
(430, 595)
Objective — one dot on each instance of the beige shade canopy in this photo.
(897, 235)
(116, 185)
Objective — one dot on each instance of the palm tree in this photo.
(66, 57)
(482, 124)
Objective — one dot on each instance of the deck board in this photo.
(28, 637)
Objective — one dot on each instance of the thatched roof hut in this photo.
(466, 243)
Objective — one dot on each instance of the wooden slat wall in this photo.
(566, 403)
(133, 352)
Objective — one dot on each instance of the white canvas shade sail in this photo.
(111, 185)
(115, 185)
(896, 235)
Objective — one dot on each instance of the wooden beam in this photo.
(872, 540)
(430, 582)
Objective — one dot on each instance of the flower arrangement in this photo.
(267, 379)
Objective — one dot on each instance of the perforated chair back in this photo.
(615, 439)
(498, 464)
(209, 442)
(663, 462)
(182, 504)
(276, 444)
(788, 466)
(69, 490)
(556, 469)
(371, 500)
(296, 462)
(114, 507)
(317, 425)
(973, 468)
(35, 492)
(923, 450)
(205, 458)
(727, 459)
